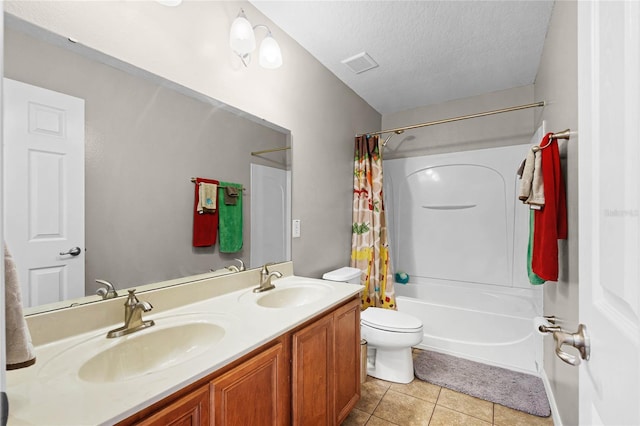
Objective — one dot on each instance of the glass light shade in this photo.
(242, 40)
(270, 54)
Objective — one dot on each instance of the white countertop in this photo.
(50, 393)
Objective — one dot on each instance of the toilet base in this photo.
(393, 365)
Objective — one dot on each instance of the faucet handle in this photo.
(264, 269)
(131, 299)
(234, 268)
(108, 291)
(241, 267)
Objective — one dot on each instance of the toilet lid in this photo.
(387, 319)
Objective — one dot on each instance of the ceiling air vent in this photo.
(360, 63)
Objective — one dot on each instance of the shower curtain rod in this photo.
(400, 130)
(266, 151)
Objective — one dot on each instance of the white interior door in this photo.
(609, 181)
(270, 234)
(4, 409)
(44, 191)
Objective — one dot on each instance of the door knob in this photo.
(579, 340)
(73, 251)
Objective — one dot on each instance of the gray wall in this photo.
(143, 144)
(557, 83)
(511, 128)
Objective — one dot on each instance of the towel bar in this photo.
(220, 186)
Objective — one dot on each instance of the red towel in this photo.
(205, 226)
(551, 221)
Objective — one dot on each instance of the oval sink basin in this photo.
(150, 351)
(171, 341)
(294, 296)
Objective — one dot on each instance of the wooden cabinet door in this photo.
(190, 410)
(346, 321)
(254, 393)
(312, 374)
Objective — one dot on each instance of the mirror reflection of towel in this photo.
(207, 194)
(205, 226)
(231, 195)
(230, 228)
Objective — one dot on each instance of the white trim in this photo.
(557, 421)
(3, 355)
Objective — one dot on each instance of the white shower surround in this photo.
(457, 228)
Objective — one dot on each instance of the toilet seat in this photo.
(390, 320)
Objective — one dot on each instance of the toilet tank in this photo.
(345, 275)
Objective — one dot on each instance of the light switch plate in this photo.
(295, 228)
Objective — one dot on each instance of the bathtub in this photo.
(457, 228)
(477, 322)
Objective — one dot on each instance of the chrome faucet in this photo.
(234, 268)
(133, 309)
(108, 292)
(265, 279)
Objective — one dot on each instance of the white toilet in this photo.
(389, 334)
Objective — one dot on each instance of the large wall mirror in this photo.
(144, 139)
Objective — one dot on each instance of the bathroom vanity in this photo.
(306, 376)
(218, 354)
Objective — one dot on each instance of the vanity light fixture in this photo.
(242, 40)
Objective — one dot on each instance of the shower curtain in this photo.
(369, 244)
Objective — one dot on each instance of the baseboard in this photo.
(557, 421)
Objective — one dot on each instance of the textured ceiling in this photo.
(428, 51)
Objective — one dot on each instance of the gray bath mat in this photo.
(515, 390)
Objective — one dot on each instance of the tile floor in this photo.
(421, 403)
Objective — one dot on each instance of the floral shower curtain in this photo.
(369, 246)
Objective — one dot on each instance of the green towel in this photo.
(230, 220)
(533, 278)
